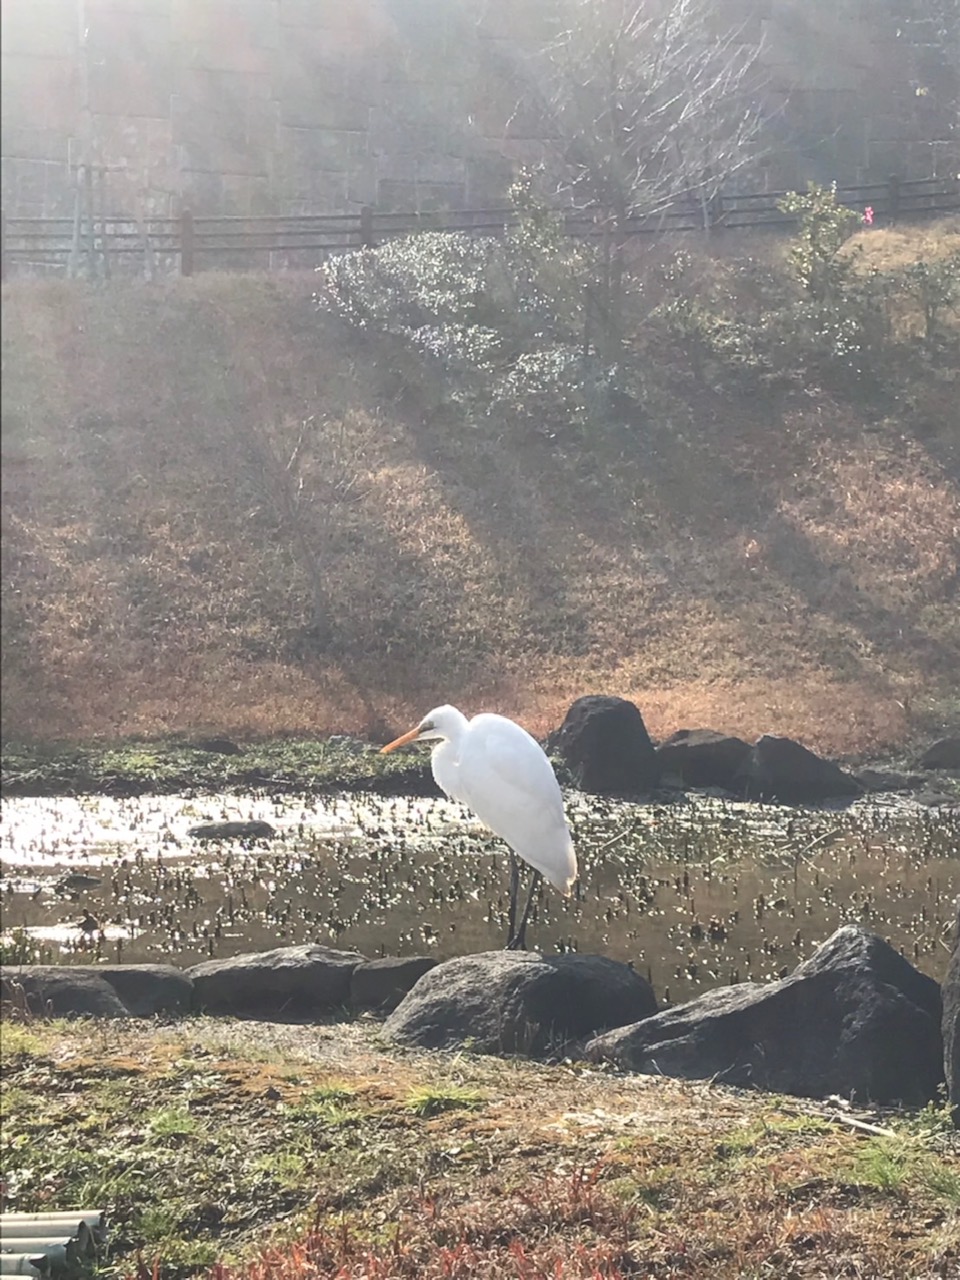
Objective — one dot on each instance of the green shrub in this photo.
(502, 319)
(837, 326)
(936, 286)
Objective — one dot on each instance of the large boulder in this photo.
(291, 981)
(519, 1002)
(943, 754)
(951, 1024)
(703, 758)
(59, 991)
(856, 1019)
(105, 991)
(382, 984)
(148, 989)
(605, 745)
(781, 769)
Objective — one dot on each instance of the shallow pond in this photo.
(697, 892)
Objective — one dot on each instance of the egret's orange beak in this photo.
(401, 741)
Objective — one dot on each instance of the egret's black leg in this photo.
(514, 895)
(518, 940)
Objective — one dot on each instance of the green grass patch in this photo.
(172, 1122)
(433, 1100)
(903, 1166)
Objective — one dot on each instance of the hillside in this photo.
(181, 554)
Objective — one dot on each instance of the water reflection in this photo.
(697, 893)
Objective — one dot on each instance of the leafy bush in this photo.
(838, 324)
(814, 255)
(821, 314)
(936, 286)
(502, 318)
(517, 330)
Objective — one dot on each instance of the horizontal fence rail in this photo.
(105, 244)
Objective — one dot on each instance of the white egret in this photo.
(500, 772)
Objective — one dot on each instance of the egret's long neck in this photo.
(445, 757)
(454, 727)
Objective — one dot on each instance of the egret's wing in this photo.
(509, 783)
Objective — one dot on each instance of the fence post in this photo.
(366, 227)
(714, 212)
(186, 242)
(894, 198)
(3, 245)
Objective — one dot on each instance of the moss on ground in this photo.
(157, 766)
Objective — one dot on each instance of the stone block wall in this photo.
(311, 106)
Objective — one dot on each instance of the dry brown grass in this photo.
(520, 1171)
(890, 248)
(751, 566)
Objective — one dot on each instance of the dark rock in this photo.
(218, 746)
(944, 754)
(290, 981)
(382, 984)
(781, 769)
(951, 1024)
(889, 780)
(938, 800)
(519, 1002)
(703, 758)
(148, 989)
(111, 991)
(77, 882)
(250, 830)
(605, 744)
(856, 1019)
(59, 991)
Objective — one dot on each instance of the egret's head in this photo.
(440, 723)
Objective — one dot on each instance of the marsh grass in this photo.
(169, 765)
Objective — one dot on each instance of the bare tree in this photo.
(647, 102)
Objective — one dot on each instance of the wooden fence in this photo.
(118, 244)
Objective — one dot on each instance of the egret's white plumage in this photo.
(498, 770)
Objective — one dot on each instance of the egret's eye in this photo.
(427, 726)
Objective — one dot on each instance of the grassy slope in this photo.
(756, 566)
(216, 1139)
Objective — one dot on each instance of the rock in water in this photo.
(703, 758)
(251, 829)
(605, 745)
(784, 770)
(944, 754)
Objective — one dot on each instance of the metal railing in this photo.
(121, 244)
